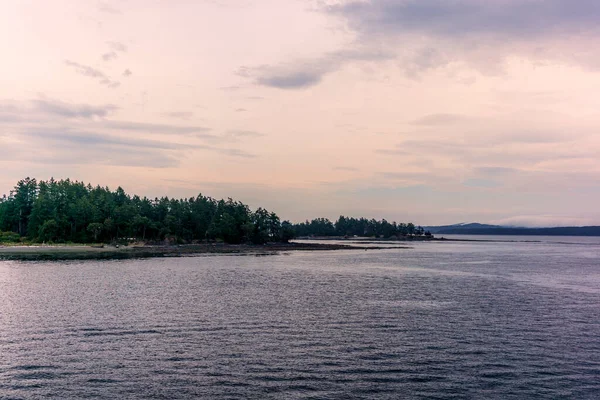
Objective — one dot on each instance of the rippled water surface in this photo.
(439, 320)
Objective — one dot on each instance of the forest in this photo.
(361, 227)
(58, 211)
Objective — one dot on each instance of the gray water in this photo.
(440, 320)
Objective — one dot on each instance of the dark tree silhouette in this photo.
(66, 210)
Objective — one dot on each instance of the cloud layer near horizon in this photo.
(428, 110)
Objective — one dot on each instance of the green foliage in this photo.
(9, 237)
(316, 227)
(16, 208)
(346, 226)
(70, 211)
(95, 228)
(48, 231)
(287, 232)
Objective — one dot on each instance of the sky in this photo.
(431, 111)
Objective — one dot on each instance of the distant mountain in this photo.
(483, 229)
(459, 227)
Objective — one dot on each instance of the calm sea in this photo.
(482, 320)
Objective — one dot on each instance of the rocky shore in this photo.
(33, 253)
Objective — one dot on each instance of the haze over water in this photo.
(439, 320)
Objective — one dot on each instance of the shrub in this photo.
(9, 237)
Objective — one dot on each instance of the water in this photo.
(439, 320)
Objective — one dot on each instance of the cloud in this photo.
(63, 109)
(238, 135)
(291, 80)
(109, 56)
(47, 112)
(543, 221)
(508, 152)
(85, 70)
(434, 33)
(56, 132)
(240, 110)
(506, 19)
(198, 131)
(96, 139)
(127, 73)
(236, 153)
(122, 157)
(87, 147)
(422, 35)
(93, 73)
(9, 113)
(493, 177)
(74, 156)
(303, 74)
(490, 154)
(111, 84)
(47, 146)
(117, 46)
(299, 75)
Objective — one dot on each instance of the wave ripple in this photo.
(439, 322)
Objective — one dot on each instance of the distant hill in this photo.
(459, 227)
(483, 229)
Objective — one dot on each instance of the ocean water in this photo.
(445, 320)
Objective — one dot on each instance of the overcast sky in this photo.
(433, 111)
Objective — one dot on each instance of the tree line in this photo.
(348, 226)
(71, 211)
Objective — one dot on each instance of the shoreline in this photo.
(91, 252)
(432, 239)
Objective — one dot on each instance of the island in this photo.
(64, 219)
